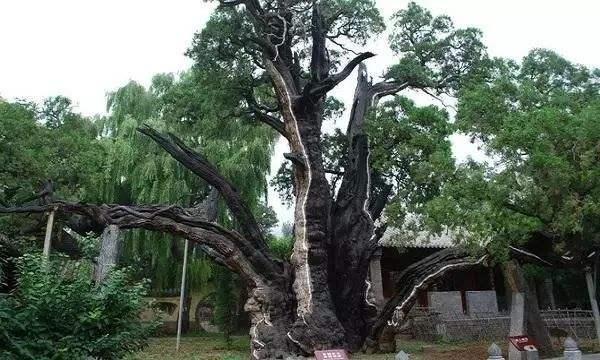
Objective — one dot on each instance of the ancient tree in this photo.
(298, 52)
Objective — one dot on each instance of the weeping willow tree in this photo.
(137, 172)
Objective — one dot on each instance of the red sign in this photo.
(331, 355)
(522, 342)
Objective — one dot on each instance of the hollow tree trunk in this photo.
(354, 237)
(319, 299)
(272, 314)
(316, 325)
(353, 241)
(272, 303)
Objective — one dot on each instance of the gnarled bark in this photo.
(319, 299)
(418, 276)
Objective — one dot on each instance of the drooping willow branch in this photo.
(207, 171)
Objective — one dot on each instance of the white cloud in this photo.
(83, 49)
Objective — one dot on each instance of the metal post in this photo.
(183, 271)
(48, 237)
(592, 293)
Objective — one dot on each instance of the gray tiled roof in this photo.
(394, 237)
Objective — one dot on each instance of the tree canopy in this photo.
(538, 122)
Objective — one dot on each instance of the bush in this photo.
(58, 312)
(282, 246)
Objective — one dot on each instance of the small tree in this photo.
(539, 123)
(59, 312)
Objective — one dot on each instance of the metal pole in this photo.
(592, 292)
(183, 271)
(48, 237)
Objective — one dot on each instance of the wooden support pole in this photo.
(181, 294)
(47, 239)
(592, 293)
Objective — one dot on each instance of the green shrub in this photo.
(224, 303)
(58, 312)
(282, 246)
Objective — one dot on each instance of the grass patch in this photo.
(213, 347)
(196, 347)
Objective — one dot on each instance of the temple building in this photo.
(475, 290)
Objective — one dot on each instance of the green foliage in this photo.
(409, 145)
(539, 121)
(50, 142)
(89, 246)
(224, 302)
(283, 182)
(38, 143)
(282, 246)
(138, 171)
(410, 150)
(535, 272)
(433, 53)
(352, 20)
(59, 313)
(347, 23)
(266, 218)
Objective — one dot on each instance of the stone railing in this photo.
(571, 352)
(578, 324)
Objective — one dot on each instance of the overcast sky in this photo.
(83, 49)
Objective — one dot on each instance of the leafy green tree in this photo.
(136, 172)
(538, 123)
(47, 142)
(58, 312)
(44, 142)
(411, 152)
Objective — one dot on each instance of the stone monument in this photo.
(481, 302)
(571, 352)
(495, 353)
(517, 324)
(402, 356)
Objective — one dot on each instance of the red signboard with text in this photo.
(522, 342)
(335, 354)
